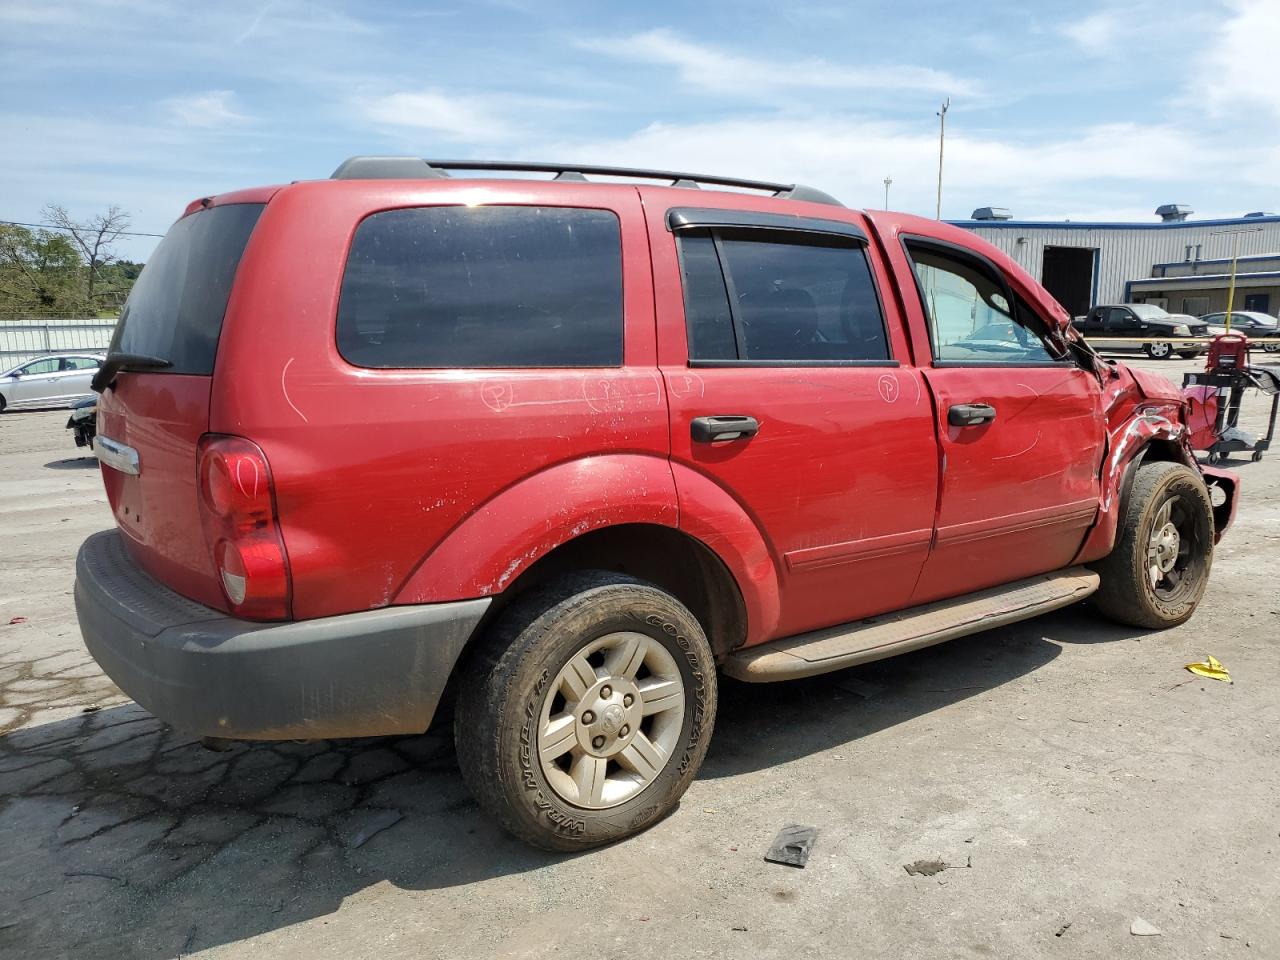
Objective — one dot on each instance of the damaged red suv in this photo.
(562, 450)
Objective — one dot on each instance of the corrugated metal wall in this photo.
(1125, 252)
(27, 339)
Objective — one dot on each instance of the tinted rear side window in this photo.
(175, 309)
(766, 296)
(485, 286)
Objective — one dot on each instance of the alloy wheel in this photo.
(611, 720)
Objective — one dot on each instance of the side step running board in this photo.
(843, 646)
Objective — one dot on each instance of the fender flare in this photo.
(709, 514)
(489, 550)
(507, 534)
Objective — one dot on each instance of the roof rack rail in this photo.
(417, 168)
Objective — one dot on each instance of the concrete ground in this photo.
(1072, 774)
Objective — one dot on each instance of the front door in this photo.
(781, 320)
(37, 382)
(1021, 430)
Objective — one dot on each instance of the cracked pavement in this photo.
(1085, 775)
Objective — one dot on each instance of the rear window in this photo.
(175, 309)
(487, 286)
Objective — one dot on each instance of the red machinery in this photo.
(1215, 396)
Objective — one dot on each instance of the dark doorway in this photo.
(1257, 302)
(1068, 275)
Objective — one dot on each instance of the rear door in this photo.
(781, 320)
(77, 375)
(1021, 428)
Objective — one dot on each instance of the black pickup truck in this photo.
(1128, 322)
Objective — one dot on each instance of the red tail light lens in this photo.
(238, 510)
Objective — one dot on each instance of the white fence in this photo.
(22, 340)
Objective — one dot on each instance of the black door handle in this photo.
(970, 414)
(709, 429)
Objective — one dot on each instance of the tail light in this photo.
(238, 511)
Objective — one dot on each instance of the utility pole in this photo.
(888, 182)
(1235, 251)
(942, 139)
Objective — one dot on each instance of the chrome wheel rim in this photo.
(611, 720)
(1159, 350)
(1168, 548)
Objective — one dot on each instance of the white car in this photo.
(52, 381)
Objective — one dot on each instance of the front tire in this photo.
(1159, 568)
(1157, 351)
(586, 712)
(1271, 346)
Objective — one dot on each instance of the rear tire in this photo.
(1159, 568)
(586, 711)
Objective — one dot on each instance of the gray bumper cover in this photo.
(361, 674)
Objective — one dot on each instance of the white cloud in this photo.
(850, 156)
(213, 108)
(1097, 34)
(1235, 72)
(718, 71)
(448, 115)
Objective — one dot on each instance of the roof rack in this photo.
(417, 168)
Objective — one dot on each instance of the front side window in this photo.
(773, 297)
(971, 319)
(39, 367)
(487, 286)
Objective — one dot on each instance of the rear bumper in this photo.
(361, 674)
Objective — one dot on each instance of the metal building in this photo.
(1182, 265)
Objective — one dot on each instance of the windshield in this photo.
(175, 310)
(1148, 311)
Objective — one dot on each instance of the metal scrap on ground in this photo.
(792, 845)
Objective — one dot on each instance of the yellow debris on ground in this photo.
(1210, 668)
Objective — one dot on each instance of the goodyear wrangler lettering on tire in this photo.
(587, 712)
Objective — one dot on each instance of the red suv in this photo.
(558, 451)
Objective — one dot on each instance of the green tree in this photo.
(41, 273)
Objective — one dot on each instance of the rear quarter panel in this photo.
(377, 470)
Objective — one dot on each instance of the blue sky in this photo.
(1097, 110)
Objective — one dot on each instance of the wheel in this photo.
(1157, 351)
(1188, 354)
(586, 711)
(1271, 346)
(1158, 570)
(1257, 456)
(3, 403)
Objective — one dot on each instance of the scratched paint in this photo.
(284, 389)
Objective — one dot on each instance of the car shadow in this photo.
(87, 462)
(157, 846)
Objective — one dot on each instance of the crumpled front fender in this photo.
(1125, 446)
(1223, 513)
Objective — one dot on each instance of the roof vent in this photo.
(1174, 212)
(992, 213)
(1258, 213)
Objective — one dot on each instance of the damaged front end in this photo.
(1146, 417)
